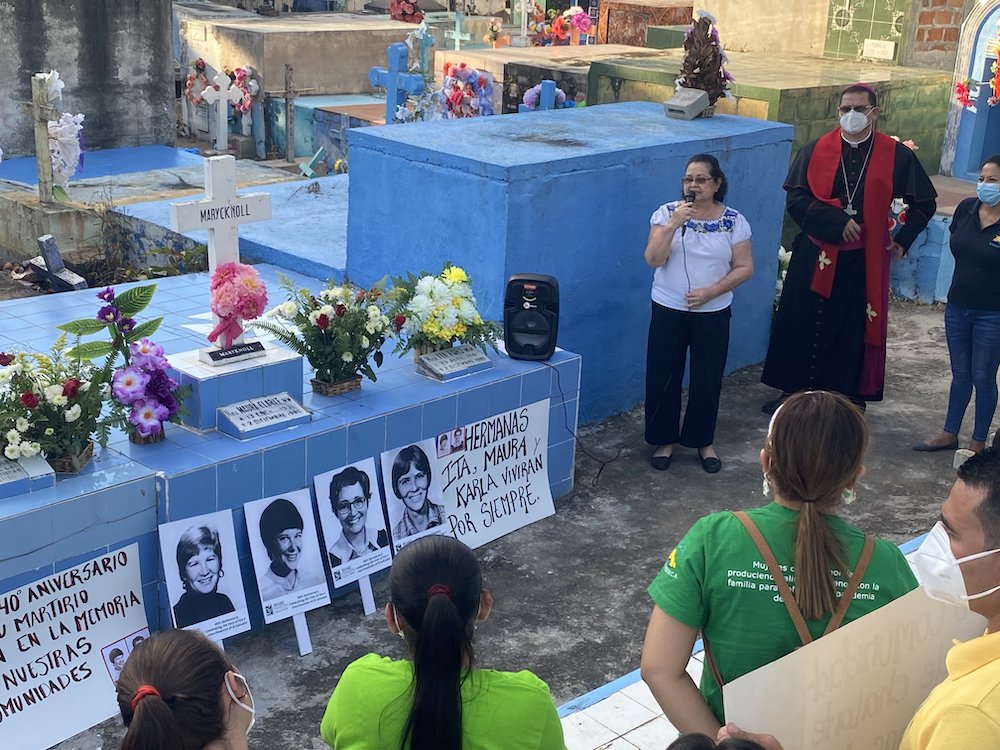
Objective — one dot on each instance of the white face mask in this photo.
(238, 702)
(939, 573)
(853, 122)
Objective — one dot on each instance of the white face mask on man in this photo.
(938, 571)
(853, 122)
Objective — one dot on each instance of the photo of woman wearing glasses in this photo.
(700, 250)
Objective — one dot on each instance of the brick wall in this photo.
(935, 30)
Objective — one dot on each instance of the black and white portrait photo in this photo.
(286, 554)
(413, 492)
(203, 575)
(354, 526)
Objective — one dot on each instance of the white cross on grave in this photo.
(221, 212)
(222, 96)
(459, 34)
(524, 7)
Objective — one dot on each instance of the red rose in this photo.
(70, 387)
(322, 322)
(398, 321)
(339, 310)
(5, 359)
(29, 399)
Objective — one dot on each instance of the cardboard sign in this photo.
(857, 688)
(286, 554)
(202, 568)
(354, 527)
(476, 483)
(56, 639)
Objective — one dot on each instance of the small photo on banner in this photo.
(286, 554)
(354, 527)
(413, 491)
(204, 583)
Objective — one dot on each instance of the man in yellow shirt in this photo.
(957, 563)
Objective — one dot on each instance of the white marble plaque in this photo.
(11, 471)
(454, 362)
(267, 411)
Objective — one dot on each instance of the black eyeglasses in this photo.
(695, 180)
(862, 108)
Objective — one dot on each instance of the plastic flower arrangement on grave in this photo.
(494, 33)
(703, 65)
(65, 140)
(466, 92)
(965, 94)
(196, 82)
(577, 18)
(51, 403)
(238, 294)
(340, 330)
(142, 395)
(406, 11)
(434, 312)
(243, 79)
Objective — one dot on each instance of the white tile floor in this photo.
(625, 720)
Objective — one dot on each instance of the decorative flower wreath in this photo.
(466, 92)
(531, 96)
(243, 80)
(196, 82)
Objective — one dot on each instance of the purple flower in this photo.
(109, 314)
(129, 385)
(147, 414)
(107, 295)
(147, 355)
(160, 385)
(126, 324)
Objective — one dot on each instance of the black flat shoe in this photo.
(711, 464)
(926, 447)
(660, 463)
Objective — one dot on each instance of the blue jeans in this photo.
(974, 347)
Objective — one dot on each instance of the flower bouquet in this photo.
(494, 34)
(703, 65)
(466, 92)
(340, 331)
(238, 294)
(577, 21)
(435, 312)
(142, 395)
(51, 404)
(406, 11)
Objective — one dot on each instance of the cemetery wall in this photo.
(774, 25)
(936, 32)
(114, 56)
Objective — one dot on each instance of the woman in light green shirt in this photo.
(440, 700)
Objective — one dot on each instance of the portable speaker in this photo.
(531, 316)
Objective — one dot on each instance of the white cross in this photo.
(221, 212)
(222, 96)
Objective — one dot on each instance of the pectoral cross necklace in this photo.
(849, 209)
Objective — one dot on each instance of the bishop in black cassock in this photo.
(829, 330)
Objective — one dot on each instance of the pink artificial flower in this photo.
(128, 385)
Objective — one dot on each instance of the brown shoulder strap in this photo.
(772, 565)
(852, 586)
(710, 661)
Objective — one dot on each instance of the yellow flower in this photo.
(454, 275)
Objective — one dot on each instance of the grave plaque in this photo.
(24, 475)
(455, 362)
(235, 353)
(258, 416)
(11, 471)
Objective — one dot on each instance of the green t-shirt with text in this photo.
(716, 580)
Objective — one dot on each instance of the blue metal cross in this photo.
(396, 82)
(458, 34)
(546, 99)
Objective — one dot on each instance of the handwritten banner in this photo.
(57, 677)
(486, 480)
(857, 688)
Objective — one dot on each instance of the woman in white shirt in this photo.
(700, 249)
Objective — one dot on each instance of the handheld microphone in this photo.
(689, 199)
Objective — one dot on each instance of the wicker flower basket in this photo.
(70, 463)
(156, 437)
(337, 387)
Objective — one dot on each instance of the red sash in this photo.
(820, 175)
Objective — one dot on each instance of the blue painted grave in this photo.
(125, 492)
(569, 194)
(396, 82)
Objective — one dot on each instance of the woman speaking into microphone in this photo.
(700, 249)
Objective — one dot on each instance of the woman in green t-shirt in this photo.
(760, 584)
(440, 700)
